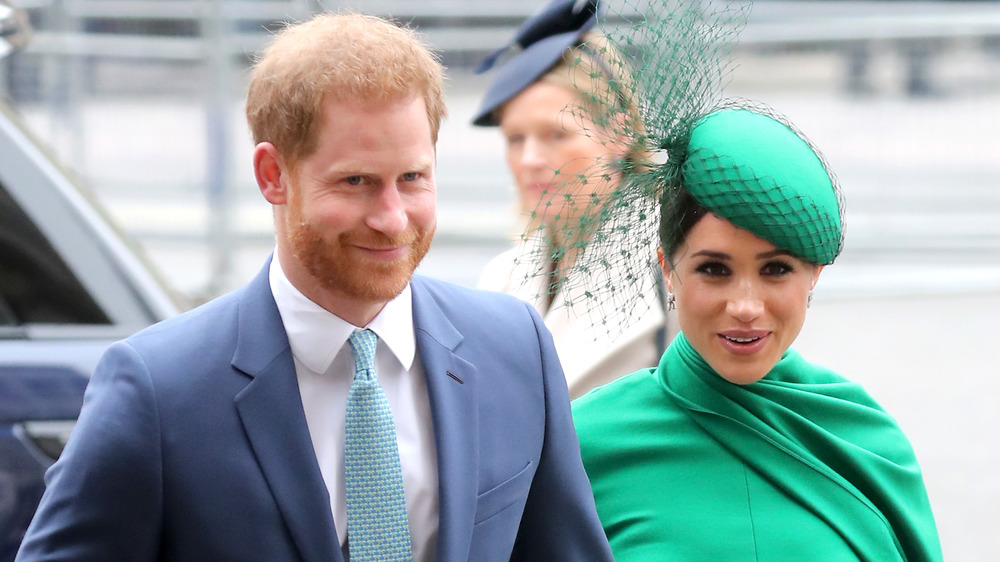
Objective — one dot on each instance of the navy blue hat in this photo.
(543, 37)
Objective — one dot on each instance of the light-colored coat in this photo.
(592, 347)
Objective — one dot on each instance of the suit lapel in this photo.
(270, 408)
(452, 389)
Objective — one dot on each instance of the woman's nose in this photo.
(533, 154)
(746, 305)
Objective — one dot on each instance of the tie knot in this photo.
(363, 343)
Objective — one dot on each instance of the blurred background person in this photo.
(563, 156)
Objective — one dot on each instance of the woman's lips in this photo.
(538, 187)
(744, 342)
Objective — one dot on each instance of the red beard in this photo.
(340, 267)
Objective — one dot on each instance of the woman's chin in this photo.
(743, 372)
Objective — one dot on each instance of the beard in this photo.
(331, 264)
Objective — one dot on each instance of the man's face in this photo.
(361, 208)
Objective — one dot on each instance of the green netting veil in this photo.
(651, 81)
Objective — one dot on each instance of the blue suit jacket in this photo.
(193, 445)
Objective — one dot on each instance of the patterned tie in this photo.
(377, 528)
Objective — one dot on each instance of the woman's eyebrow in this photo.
(774, 253)
(711, 254)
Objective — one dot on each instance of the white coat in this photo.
(591, 353)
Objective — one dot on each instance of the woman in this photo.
(735, 447)
(564, 157)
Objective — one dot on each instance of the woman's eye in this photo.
(514, 140)
(776, 269)
(713, 269)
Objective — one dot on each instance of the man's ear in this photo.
(273, 177)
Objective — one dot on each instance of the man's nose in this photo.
(388, 214)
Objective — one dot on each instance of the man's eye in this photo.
(354, 180)
(410, 176)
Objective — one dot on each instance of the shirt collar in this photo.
(316, 335)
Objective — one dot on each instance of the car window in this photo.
(36, 286)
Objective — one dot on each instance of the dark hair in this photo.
(679, 212)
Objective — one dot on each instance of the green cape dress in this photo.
(801, 465)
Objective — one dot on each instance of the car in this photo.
(70, 285)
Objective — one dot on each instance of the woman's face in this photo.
(741, 301)
(546, 133)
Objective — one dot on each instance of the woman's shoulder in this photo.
(612, 403)
(794, 367)
(627, 417)
(622, 386)
(794, 371)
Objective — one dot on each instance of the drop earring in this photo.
(809, 301)
(671, 301)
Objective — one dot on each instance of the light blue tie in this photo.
(377, 529)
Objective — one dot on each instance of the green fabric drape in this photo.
(802, 464)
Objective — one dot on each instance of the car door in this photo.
(69, 286)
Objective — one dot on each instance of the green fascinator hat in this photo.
(758, 173)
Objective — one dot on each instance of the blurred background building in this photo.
(142, 101)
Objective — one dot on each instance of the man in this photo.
(231, 432)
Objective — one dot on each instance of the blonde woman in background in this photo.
(563, 158)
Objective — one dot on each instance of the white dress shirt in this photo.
(324, 366)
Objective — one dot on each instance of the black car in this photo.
(70, 285)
